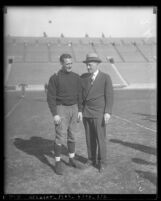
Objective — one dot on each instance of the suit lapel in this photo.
(97, 78)
(91, 87)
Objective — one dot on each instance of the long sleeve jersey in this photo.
(64, 88)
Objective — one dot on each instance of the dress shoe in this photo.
(89, 163)
(102, 168)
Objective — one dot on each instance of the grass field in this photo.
(131, 148)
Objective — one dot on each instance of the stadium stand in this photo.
(138, 72)
(28, 40)
(48, 40)
(148, 50)
(149, 41)
(80, 68)
(35, 59)
(117, 41)
(85, 40)
(107, 50)
(31, 73)
(96, 40)
(91, 40)
(130, 53)
(81, 51)
(132, 40)
(70, 40)
(57, 50)
(15, 51)
(38, 73)
(105, 41)
(107, 68)
(154, 41)
(8, 39)
(36, 53)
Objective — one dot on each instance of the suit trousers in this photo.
(95, 130)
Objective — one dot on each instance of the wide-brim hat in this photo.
(92, 57)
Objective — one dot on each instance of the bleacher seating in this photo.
(70, 40)
(35, 59)
(48, 40)
(56, 51)
(107, 50)
(36, 53)
(107, 68)
(15, 51)
(38, 73)
(116, 41)
(130, 53)
(81, 51)
(8, 39)
(95, 40)
(91, 40)
(105, 41)
(149, 41)
(85, 40)
(31, 73)
(28, 40)
(132, 40)
(135, 73)
(112, 40)
(148, 50)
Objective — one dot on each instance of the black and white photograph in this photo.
(80, 90)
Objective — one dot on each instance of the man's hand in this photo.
(57, 119)
(106, 117)
(80, 116)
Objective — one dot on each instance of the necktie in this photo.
(92, 79)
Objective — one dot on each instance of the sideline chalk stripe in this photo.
(13, 108)
(139, 125)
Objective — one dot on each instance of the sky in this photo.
(78, 21)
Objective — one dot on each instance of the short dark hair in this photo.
(65, 56)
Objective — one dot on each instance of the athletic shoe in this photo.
(59, 168)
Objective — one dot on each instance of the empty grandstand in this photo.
(34, 59)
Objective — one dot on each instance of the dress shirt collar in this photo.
(95, 74)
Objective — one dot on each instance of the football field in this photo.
(131, 148)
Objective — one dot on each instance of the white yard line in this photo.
(139, 125)
(13, 108)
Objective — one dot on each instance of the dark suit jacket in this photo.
(98, 98)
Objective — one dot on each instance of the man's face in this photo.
(67, 64)
(92, 67)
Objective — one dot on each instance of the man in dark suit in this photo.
(97, 93)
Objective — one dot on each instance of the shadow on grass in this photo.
(147, 175)
(140, 147)
(36, 146)
(40, 148)
(148, 117)
(141, 161)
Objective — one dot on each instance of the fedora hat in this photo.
(92, 57)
